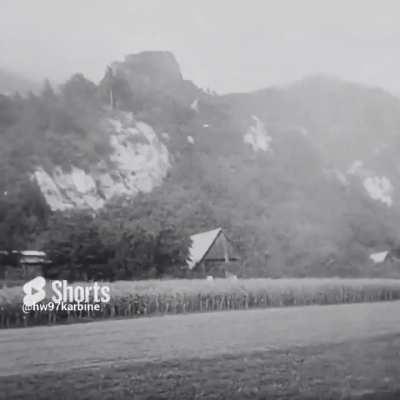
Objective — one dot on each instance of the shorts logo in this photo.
(34, 291)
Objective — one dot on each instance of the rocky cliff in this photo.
(138, 162)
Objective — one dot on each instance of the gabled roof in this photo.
(201, 243)
(378, 257)
(33, 253)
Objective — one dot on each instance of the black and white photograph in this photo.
(199, 200)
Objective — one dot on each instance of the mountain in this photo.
(304, 178)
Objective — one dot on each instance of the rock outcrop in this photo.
(138, 162)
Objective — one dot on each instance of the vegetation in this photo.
(152, 297)
(46, 130)
(284, 211)
(352, 370)
(112, 245)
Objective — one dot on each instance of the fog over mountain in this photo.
(10, 83)
(226, 46)
(305, 177)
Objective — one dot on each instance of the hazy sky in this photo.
(227, 45)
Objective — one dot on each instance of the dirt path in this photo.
(58, 348)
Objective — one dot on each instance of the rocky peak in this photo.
(153, 68)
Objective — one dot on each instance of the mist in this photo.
(226, 46)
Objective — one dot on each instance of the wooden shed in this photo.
(25, 264)
(211, 253)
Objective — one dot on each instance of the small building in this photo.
(25, 264)
(392, 259)
(212, 254)
(388, 259)
(379, 257)
(32, 262)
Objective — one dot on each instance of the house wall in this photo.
(221, 250)
(392, 262)
(220, 260)
(25, 272)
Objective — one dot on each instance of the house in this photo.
(379, 257)
(32, 262)
(212, 254)
(392, 258)
(388, 258)
(23, 264)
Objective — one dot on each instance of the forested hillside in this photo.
(111, 178)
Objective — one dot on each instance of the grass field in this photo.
(143, 298)
(310, 352)
(365, 369)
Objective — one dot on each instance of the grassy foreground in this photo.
(362, 369)
(142, 298)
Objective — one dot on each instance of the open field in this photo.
(142, 298)
(365, 369)
(298, 352)
(60, 348)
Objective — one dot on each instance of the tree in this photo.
(74, 246)
(143, 236)
(79, 91)
(108, 88)
(23, 214)
(47, 93)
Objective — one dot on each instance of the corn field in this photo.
(146, 298)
